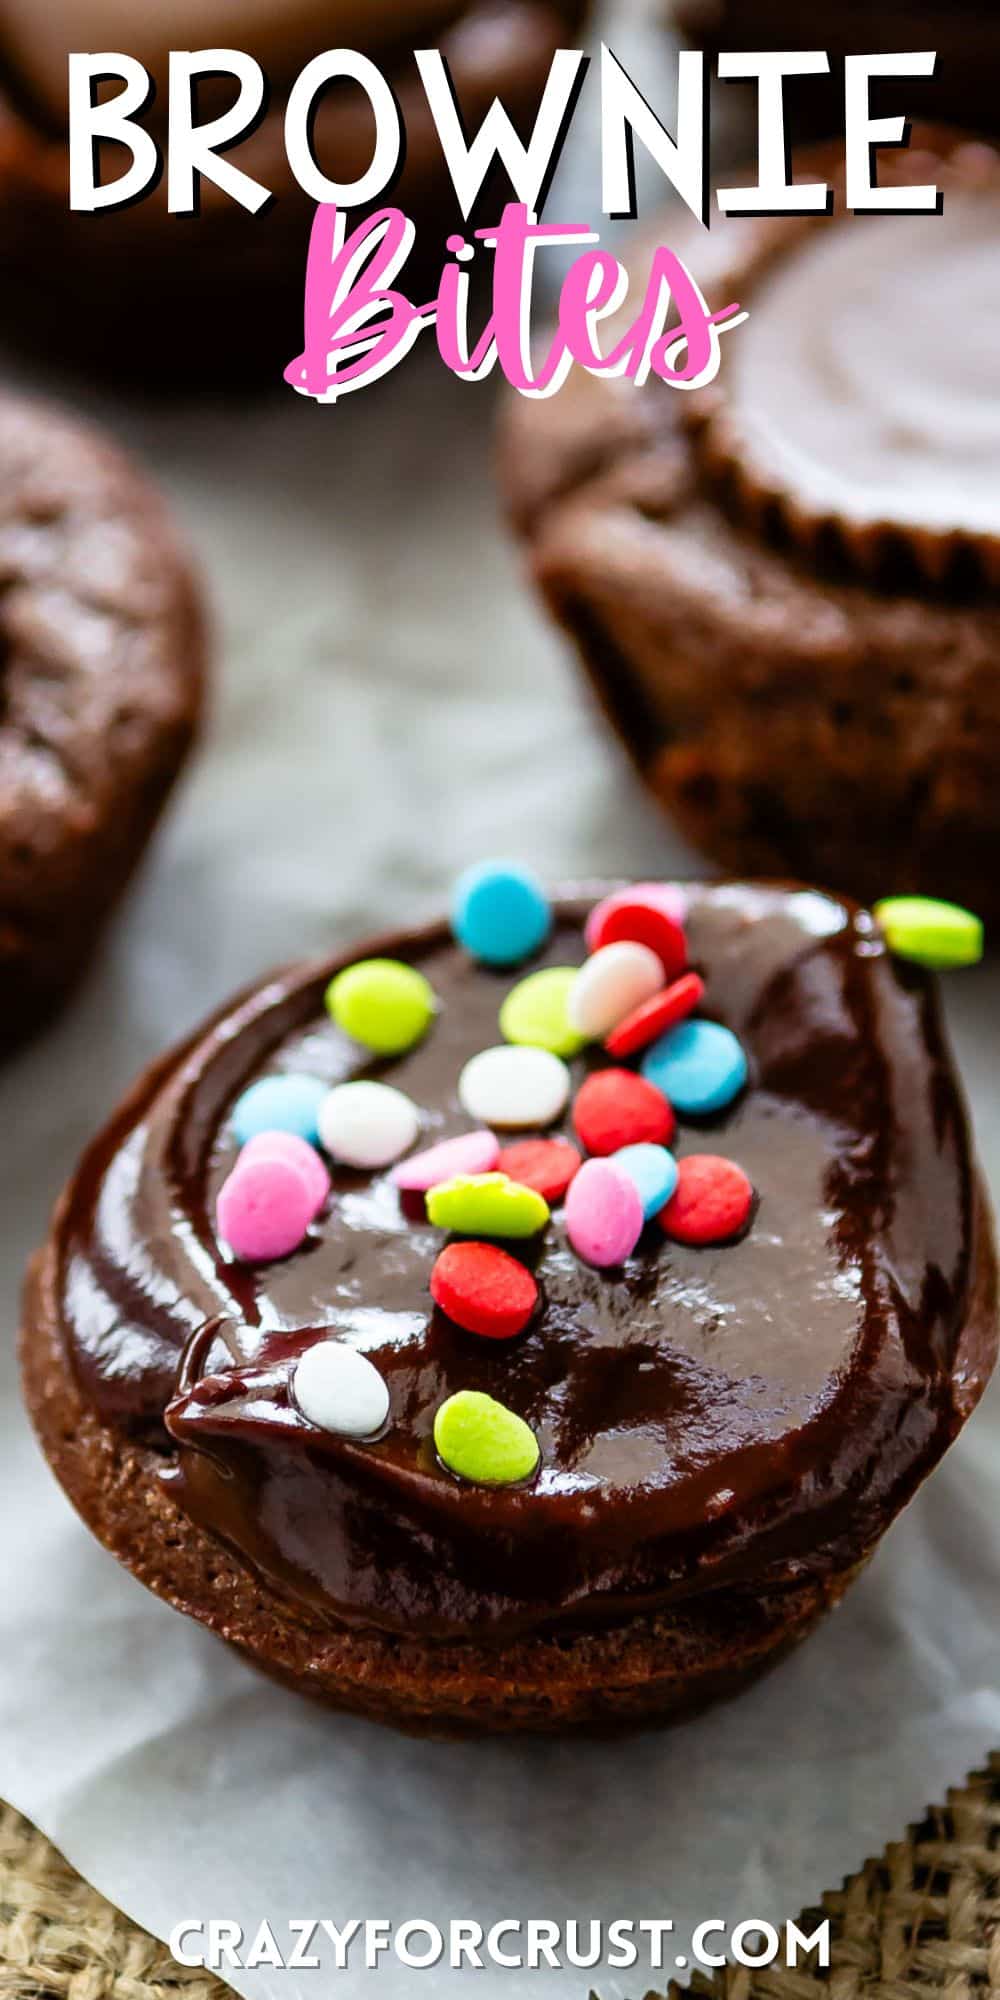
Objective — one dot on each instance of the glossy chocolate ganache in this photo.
(752, 1414)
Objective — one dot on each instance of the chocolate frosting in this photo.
(857, 406)
(748, 1414)
(821, 415)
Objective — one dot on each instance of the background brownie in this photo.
(221, 297)
(966, 37)
(785, 587)
(102, 660)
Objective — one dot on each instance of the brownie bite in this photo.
(218, 298)
(784, 587)
(611, 1492)
(965, 35)
(103, 655)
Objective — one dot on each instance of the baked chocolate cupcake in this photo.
(220, 296)
(103, 656)
(785, 587)
(574, 1490)
(964, 33)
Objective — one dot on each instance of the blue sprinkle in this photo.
(652, 1171)
(280, 1104)
(699, 1065)
(500, 912)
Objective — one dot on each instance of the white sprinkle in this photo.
(514, 1087)
(339, 1390)
(608, 986)
(367, 1124)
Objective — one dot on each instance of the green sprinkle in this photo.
(534, 1013)
(482, 1441)
(938, 935)
(486, 1205)
(383, 1004)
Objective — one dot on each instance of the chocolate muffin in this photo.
(102, 662)
(724, 1428)
(219, 296)
(964, 33)
(785, 587)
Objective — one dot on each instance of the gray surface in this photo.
(390, 704)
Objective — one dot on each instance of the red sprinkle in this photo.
(547, 1165)
(484, 1290)
(614, 1108)
(711, 1203)
(643, 923)
(655, 1016)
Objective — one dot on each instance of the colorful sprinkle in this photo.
(615, 1108)
(712, 1203)
(500, 912)
(279, 1104)
(534, 1014)
(668, 1007)
(700, 1066)
(547, 1165)
(610, 985)
(604, 1218)
(470, 1153)
(654, 1172)
(482, 1441)
(367, 1124)
(484, 1290)
(941, 936)
(668, 896)
(513, 1087)
(298, 1153)
(486, 1205)
(642, 917)
(340, 1390)
(383, 1004)
(264, 1209)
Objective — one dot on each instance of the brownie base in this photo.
(783, 721)
(652, 1667)
(102, 659)
(645, 1668)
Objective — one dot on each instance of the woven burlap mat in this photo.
(58, 1937)
(924, 1917)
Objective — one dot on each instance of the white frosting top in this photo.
(866, 381)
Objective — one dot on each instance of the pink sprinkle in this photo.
(470, 1153)
(298, 1153)
(668, 896)
(264, 1209)
(604, 1217)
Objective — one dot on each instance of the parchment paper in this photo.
(390, 702)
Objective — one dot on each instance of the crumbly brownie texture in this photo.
(220, 297)
(102, 658)
(724, 1434)
(803, 681)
